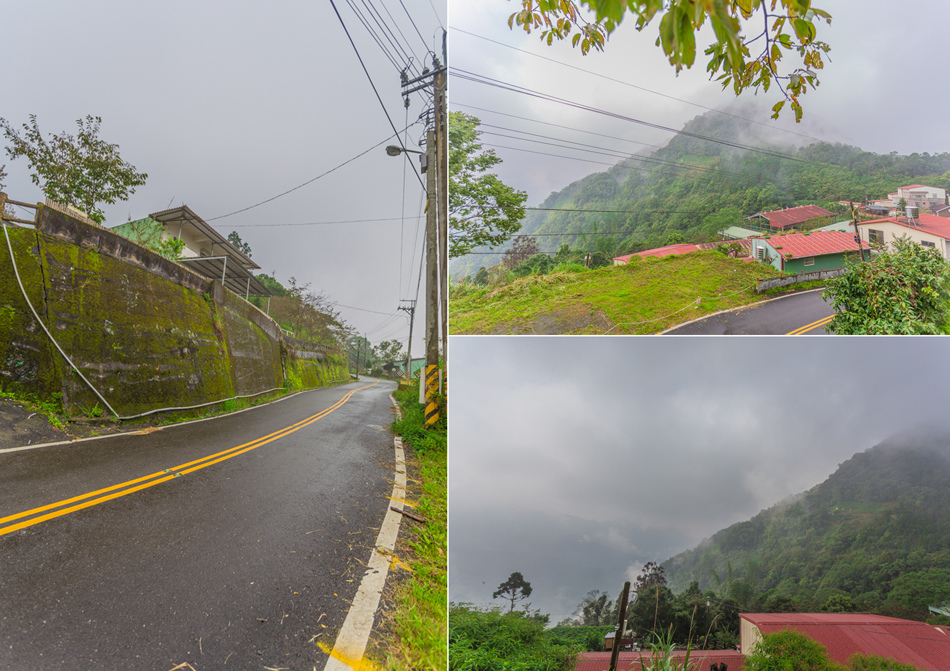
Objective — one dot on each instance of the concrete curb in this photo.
(347, 653)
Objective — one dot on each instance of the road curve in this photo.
(243, 560)
(802, 313)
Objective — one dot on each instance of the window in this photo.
(927, 243)
(810, 261)
(876, 237)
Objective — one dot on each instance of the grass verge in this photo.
(416, 635)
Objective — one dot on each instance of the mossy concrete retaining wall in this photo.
(145, 331)
(308, 365)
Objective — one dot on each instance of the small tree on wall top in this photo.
(83, 171)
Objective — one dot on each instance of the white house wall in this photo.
(892, 231)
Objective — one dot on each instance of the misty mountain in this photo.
(877, 530)
(715, 171)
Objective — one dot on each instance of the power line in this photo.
(350, 307)
(635, 86)
(381, 104)
(603, 151)
(309, 181)
(324, 223)
(387, 33)
(424, 45)
(505, 86)
(374, 35)
(612, 165)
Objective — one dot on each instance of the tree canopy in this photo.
(905, 290)
(516, 588)
(787, 26)
(83, 171)
(483, 210)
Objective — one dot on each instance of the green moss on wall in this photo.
(27, 364)
(142, 339)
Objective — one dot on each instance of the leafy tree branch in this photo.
(789, 27)
(83, 171)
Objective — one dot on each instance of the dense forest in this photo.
(874, 537)
(693, 187)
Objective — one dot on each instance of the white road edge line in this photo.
(347, 653)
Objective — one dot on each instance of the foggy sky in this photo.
(228, 104)
(576, 460)
(883, 87)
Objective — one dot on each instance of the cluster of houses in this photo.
(918, 644)
(798, 239)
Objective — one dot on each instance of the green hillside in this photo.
(876, 533)
(643, 297)
(691, 188)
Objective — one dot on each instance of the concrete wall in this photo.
(789, 280)
(145, 331)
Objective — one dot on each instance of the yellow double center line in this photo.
(89, 499)
(812, 326)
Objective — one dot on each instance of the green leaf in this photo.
(804, 29)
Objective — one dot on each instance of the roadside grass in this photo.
(417, 632)
(646, 296)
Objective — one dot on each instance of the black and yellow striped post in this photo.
(432, 396)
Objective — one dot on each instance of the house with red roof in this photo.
(928, 230)
(921, 645)
(808, 252)
(793, 216)
(918, 644)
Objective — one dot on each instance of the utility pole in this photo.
(441, 143)
(621, 625)
(432, 286)
(359, 344)
(436, 239)
(411, 309)
(857, 231)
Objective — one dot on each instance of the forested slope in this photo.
(876, 531)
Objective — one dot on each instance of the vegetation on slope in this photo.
(874, 537)
(416, 632)
(647, 296)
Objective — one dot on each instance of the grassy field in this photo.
(646, 296)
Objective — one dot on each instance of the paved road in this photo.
(796, 314)
(223, 564)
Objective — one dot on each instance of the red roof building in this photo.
(928, 230)
(804, 252)
(918, 644)
(630, 661)
(794, 216)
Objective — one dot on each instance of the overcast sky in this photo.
(227, 104)
(576, 460)
(884, 89)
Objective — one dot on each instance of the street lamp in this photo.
(393, 150)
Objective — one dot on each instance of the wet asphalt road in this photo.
(777, 317)
(234, 566)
